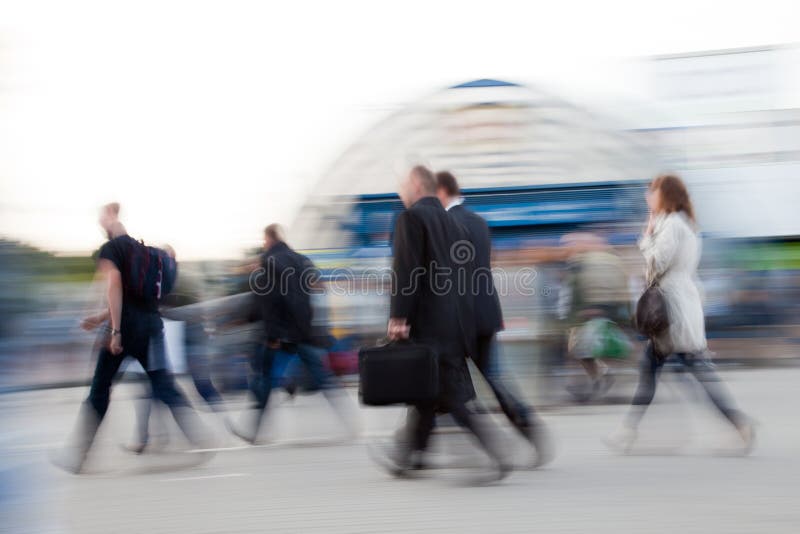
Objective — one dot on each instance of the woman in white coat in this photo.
(671, 249)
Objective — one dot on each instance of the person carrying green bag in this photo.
(599, 289)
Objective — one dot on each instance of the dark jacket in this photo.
(426, 291)
(284, 291)
(488, 314)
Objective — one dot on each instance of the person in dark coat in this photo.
(284, 286)
(429, 306)
(489, 317)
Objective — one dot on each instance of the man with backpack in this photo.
(137, 277)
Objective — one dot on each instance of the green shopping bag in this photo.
(608, 340)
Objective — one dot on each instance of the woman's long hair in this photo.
(674, 195)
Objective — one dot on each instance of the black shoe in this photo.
(135, 448)
(418, 462)
(492, 475)
(539, 438)
(68, 459)
(393, 458)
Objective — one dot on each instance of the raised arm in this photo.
(659, 246)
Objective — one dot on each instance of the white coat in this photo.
(672, 253)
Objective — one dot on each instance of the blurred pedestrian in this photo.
(133, 327)
(184, 304)
(671, 248)
(284, 285)
(429, 307)
(598, 302)
(489, 319)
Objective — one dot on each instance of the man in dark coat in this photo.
(430, 305)
(284, 286)
(489, 317)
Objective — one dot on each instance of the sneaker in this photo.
(580, 392)
(622, 440)
(748, 433)
(602, 385)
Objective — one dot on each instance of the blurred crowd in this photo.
(750, 296)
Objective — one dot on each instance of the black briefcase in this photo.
(398, 372)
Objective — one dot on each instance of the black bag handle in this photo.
(385, 341)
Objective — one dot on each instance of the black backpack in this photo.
(150, 274)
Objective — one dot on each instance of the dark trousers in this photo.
(262, 383)
(197, 360)
(701, 368)
(518, 413)
(422, 420)
(162, 385)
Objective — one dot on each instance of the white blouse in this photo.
(672, 253)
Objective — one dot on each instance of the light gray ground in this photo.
(678, 481)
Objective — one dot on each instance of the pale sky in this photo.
(208, 120)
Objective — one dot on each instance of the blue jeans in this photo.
(319, 377)
(310, 356)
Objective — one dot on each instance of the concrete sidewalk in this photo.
(309, 481)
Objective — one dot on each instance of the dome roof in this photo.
(489, 133)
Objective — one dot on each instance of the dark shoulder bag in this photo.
(651, 317)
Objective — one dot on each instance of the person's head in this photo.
(446, 187)
(273, 234)
(668, 194)
(109, 217)
(419, 183)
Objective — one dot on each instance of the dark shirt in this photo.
(118, 252)
(140, 320)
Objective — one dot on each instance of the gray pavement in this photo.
(681, 476)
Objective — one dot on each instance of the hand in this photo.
(398, 329)
(115, 344)
(274, 343)
(650, 224)
(91, 322)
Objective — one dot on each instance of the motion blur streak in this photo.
(562, 188)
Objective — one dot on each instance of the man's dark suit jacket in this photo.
(488, 313)
(426, 291)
